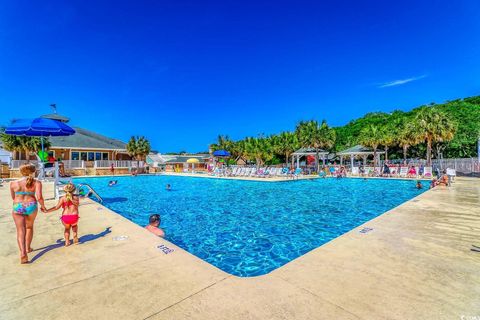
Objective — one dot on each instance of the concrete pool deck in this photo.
(415, 263)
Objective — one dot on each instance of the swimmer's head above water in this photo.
(154, 220)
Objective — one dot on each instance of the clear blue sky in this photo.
(182, 72)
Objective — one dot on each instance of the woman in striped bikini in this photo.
(26, 195)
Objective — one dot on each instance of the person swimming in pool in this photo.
(153, 225)
(112, 183)
(168, 187)
(419, 185)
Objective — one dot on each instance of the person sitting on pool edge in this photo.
(153, 225)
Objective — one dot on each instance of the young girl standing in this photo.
(70, 216)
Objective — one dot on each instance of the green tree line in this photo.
(450, 129)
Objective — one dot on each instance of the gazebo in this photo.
(357, 150)
(322, 154)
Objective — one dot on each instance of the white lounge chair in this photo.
(355, 171)
(427, 172)
(451, 173)
(368, 170)
(403, 171)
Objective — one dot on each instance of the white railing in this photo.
(117, 164)
(74, 164)
(15, 164)
(466, 165)
(463, 165)
(69, 164)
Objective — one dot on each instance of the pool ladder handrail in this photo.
(91, 190)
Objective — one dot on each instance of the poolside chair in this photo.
(298, 172)
(403, 171)
(274, 172)
(261, 173)
(427, 172)
(368, 170)
(266, 173)
(284, 172)
(451, 173)
(355, 171)
(333, 171)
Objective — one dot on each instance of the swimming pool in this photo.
(250, 228)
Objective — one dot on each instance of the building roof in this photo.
(84, 139)
(175, 158)
(55, 116)
(184, 158)
(308, 151)
(358, 149)
(160, 158)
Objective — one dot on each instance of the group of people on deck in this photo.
(27, 198)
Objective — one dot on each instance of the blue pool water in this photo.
(251, 228)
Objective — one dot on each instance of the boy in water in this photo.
(153, 225)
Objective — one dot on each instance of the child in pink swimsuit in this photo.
(69, 218)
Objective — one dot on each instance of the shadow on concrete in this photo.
(61, 243)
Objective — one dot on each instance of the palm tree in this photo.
(223, 143)
(371, 136)
(238, 150)
(21, 143)
(434, 126)
(407, 136)
(287, 144)
(33, 144)
(388, 138)
(11, 143)
(317, 136)
(138, 148)
(258, 149)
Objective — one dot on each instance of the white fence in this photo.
(74, 164)
(118, 164)
(15, 164)
(68, 164)
(466, 165)
(462, 165)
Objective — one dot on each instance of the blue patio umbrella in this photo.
(221, 153)
(39, 127)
